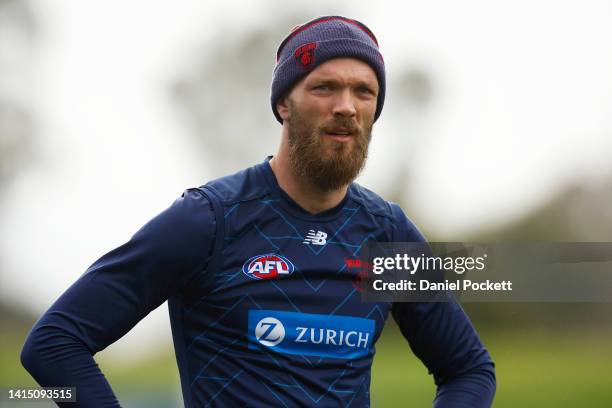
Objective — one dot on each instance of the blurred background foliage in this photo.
(546, 354)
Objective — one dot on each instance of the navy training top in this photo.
(263, 309)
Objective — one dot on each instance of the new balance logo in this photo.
(316, 238)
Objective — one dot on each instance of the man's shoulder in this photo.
(372, 202)
(404, 228)
(244, 185)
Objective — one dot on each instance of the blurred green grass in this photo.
(535, 368)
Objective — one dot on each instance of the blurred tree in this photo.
(577, 213)
(416, 87)
(16, 131)
(17, 38)
(409, 115)
(225, 96)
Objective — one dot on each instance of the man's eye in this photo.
(322, 87)
(366, 90)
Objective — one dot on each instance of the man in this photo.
(263, 309)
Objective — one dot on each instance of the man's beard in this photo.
(326, 164)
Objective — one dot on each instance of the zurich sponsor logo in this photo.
(308, 334)
(268, 266)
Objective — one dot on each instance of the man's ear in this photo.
(282, 107)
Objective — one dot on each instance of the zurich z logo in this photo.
(315, 238)
(268, 266)
(269, 331)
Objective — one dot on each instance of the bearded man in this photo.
(263, 308)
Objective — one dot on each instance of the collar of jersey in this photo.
(294, 208)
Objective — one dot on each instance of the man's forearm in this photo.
(54, 358)
(473, 389)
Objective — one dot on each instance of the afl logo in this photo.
(268, 266)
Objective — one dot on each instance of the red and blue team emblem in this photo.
(268, 266)
(305, 54)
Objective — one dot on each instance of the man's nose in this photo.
(344, 104)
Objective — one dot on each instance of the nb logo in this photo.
(315, 238)
(269, 331)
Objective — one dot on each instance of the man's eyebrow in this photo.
(359, 83)
(367, 84)
(324, 80)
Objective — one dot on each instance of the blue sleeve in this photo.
(117, 291)
(443, 338)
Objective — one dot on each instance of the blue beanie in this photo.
(319, 40)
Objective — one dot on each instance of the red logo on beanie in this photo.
(305, 54)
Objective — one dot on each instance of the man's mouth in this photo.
(340, 134)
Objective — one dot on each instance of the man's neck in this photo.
(303, 193)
